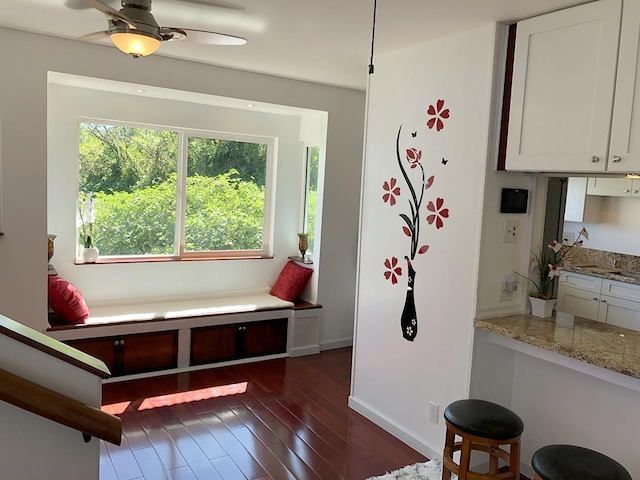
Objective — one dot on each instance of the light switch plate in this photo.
(510, 231)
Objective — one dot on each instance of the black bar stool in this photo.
(482, 426)
(568, 462)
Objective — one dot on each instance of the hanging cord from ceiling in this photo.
(373, 36)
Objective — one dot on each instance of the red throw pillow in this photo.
(291, 281)
(66, 300)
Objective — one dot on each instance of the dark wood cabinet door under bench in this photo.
(134, 353)
(242, 340)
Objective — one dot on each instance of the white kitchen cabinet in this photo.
(619, 312)
(578, 302)
(614, 187)
(608, 301)
(562, 89)
(581, 282)
(624, 151)
(579, 206)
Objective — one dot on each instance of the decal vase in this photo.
(90, 255)
(409, 320)
(542, 308)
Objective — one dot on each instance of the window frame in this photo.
(179, 254)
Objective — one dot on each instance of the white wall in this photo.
(23, 111)
(617, 229)
(394, 379)
(499, 259)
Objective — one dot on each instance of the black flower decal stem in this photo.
(413, 223)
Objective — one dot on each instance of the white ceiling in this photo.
(322, 41)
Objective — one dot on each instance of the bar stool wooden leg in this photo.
(448, 451)
(514, 459)
(493, 463)
(465, 458)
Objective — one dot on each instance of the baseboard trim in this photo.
(332, 345)
(302, 351)
(500, 311)
(393, 428)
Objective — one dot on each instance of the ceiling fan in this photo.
(134, 31)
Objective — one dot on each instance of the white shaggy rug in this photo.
(431, 470)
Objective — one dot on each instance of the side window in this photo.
(311, 193)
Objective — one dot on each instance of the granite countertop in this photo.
(614, 348)
(602, 272)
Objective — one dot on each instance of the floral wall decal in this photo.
(391, 191)
(417, 182)
(393, 270)
(437, 113)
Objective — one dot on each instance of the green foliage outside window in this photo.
(132, 174)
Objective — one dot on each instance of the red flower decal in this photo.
(391, 191)
(393, 270)
(438, 213)
(437, 113)
(413, 156)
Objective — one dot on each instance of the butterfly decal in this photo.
(444, 161)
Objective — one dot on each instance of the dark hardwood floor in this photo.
(279, 419)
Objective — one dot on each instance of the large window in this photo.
(178, 193)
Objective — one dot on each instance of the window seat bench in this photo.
(153, 336)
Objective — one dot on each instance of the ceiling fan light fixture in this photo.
(136, 43)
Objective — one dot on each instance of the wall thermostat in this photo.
(514, 200)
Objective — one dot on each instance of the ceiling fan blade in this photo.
(81, 4)
(215, 3)
(201, 36)
(90, 37)
(110, 12)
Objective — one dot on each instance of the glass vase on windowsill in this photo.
(86, 212)
(90, 254)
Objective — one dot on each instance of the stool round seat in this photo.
(482, 426)
(484, 419)
(568, 462)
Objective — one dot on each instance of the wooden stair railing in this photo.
(90, 421)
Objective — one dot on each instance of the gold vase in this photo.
(303, 243)
(50, 248)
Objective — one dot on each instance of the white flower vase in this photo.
(542, 308)
(90, 255)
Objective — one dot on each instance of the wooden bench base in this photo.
(152, 338)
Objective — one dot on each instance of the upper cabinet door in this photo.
(610, 187)
(624, 153)
(562, 91)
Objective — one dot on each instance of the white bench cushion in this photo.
(105, 314)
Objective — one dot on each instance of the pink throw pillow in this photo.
(291, 281)
(66, 300)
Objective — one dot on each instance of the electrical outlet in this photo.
(504, 295)
(433, 412)
(510, 231)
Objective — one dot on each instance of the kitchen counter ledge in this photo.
(606, 346)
